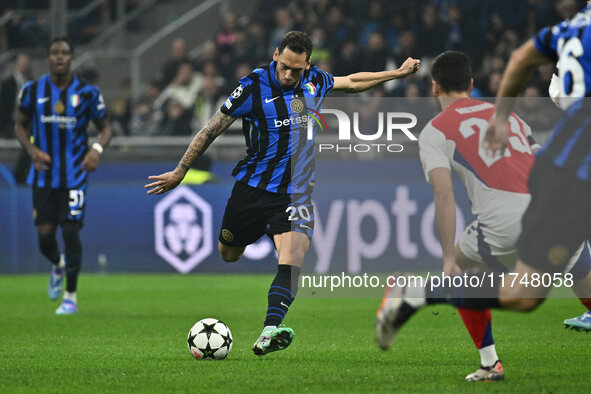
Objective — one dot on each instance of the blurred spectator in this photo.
(258, 39)
(375, 22)
(225, 39)
(208, 101)
(321, 51)
(283, 24)
(348, 60)
(120, 109)
(144, 119)
(456, 34)
(9, 88)
(91, 75)
(26, 32)
(178, 50)
(241, 70)
(174, 106)
(494, 83)
(540, 113)
(432, 33)
(210, 54)
(566, 9)
(85, 27)
(375, 56)
(210, 69)
(337, 29)
(240, 53)
(176, 120)
(407, 47)
(183, 89)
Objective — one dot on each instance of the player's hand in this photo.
(410, 66)
(41, 160)
(164, 182)
(91, 161)
(495, 139)
(451, 268)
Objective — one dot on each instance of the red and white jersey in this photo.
(496, 185)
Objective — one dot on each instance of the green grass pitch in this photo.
(130, 336)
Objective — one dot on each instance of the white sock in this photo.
(62, 263)
(415, 296)
(488, 356)
(269, 328)
(70, 297)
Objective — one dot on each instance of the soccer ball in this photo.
(209, 339)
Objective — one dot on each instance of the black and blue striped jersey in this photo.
(280, 154)
(569, 43)
(59, 126)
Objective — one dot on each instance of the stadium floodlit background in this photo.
(164, 67)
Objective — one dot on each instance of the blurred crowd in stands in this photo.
(348, 36)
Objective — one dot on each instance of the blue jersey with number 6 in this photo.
(569, 44)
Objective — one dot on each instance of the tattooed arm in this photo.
(169, 180)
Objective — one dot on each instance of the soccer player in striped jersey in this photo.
(558, 218)
(274, 182)
(55, 111)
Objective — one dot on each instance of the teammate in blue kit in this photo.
(58, 108)
(558, 218)
(274, 182)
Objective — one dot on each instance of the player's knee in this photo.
(522, 304)
(71, 235)
(230, 255)
(47, 244)
(529, 304)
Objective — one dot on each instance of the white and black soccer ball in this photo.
(209, 339)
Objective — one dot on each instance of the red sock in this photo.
(478, 323)
(586, 302)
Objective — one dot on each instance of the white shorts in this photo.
(485, 245)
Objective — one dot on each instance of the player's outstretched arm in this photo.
(41, 160)
(445, 216)
(362, 81)
(522, 64)
(169, 180)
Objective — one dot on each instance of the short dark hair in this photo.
(452, 71)
(61, 39)
(298, 42)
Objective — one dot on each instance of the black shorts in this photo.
(557, 220)
(56, 206)
(252, 213)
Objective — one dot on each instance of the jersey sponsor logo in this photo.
(291, 121)
(183, 229)
(267, 100)
(63, 121)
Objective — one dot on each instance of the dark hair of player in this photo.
(298, 42)
(61, 39)
(452, 71)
